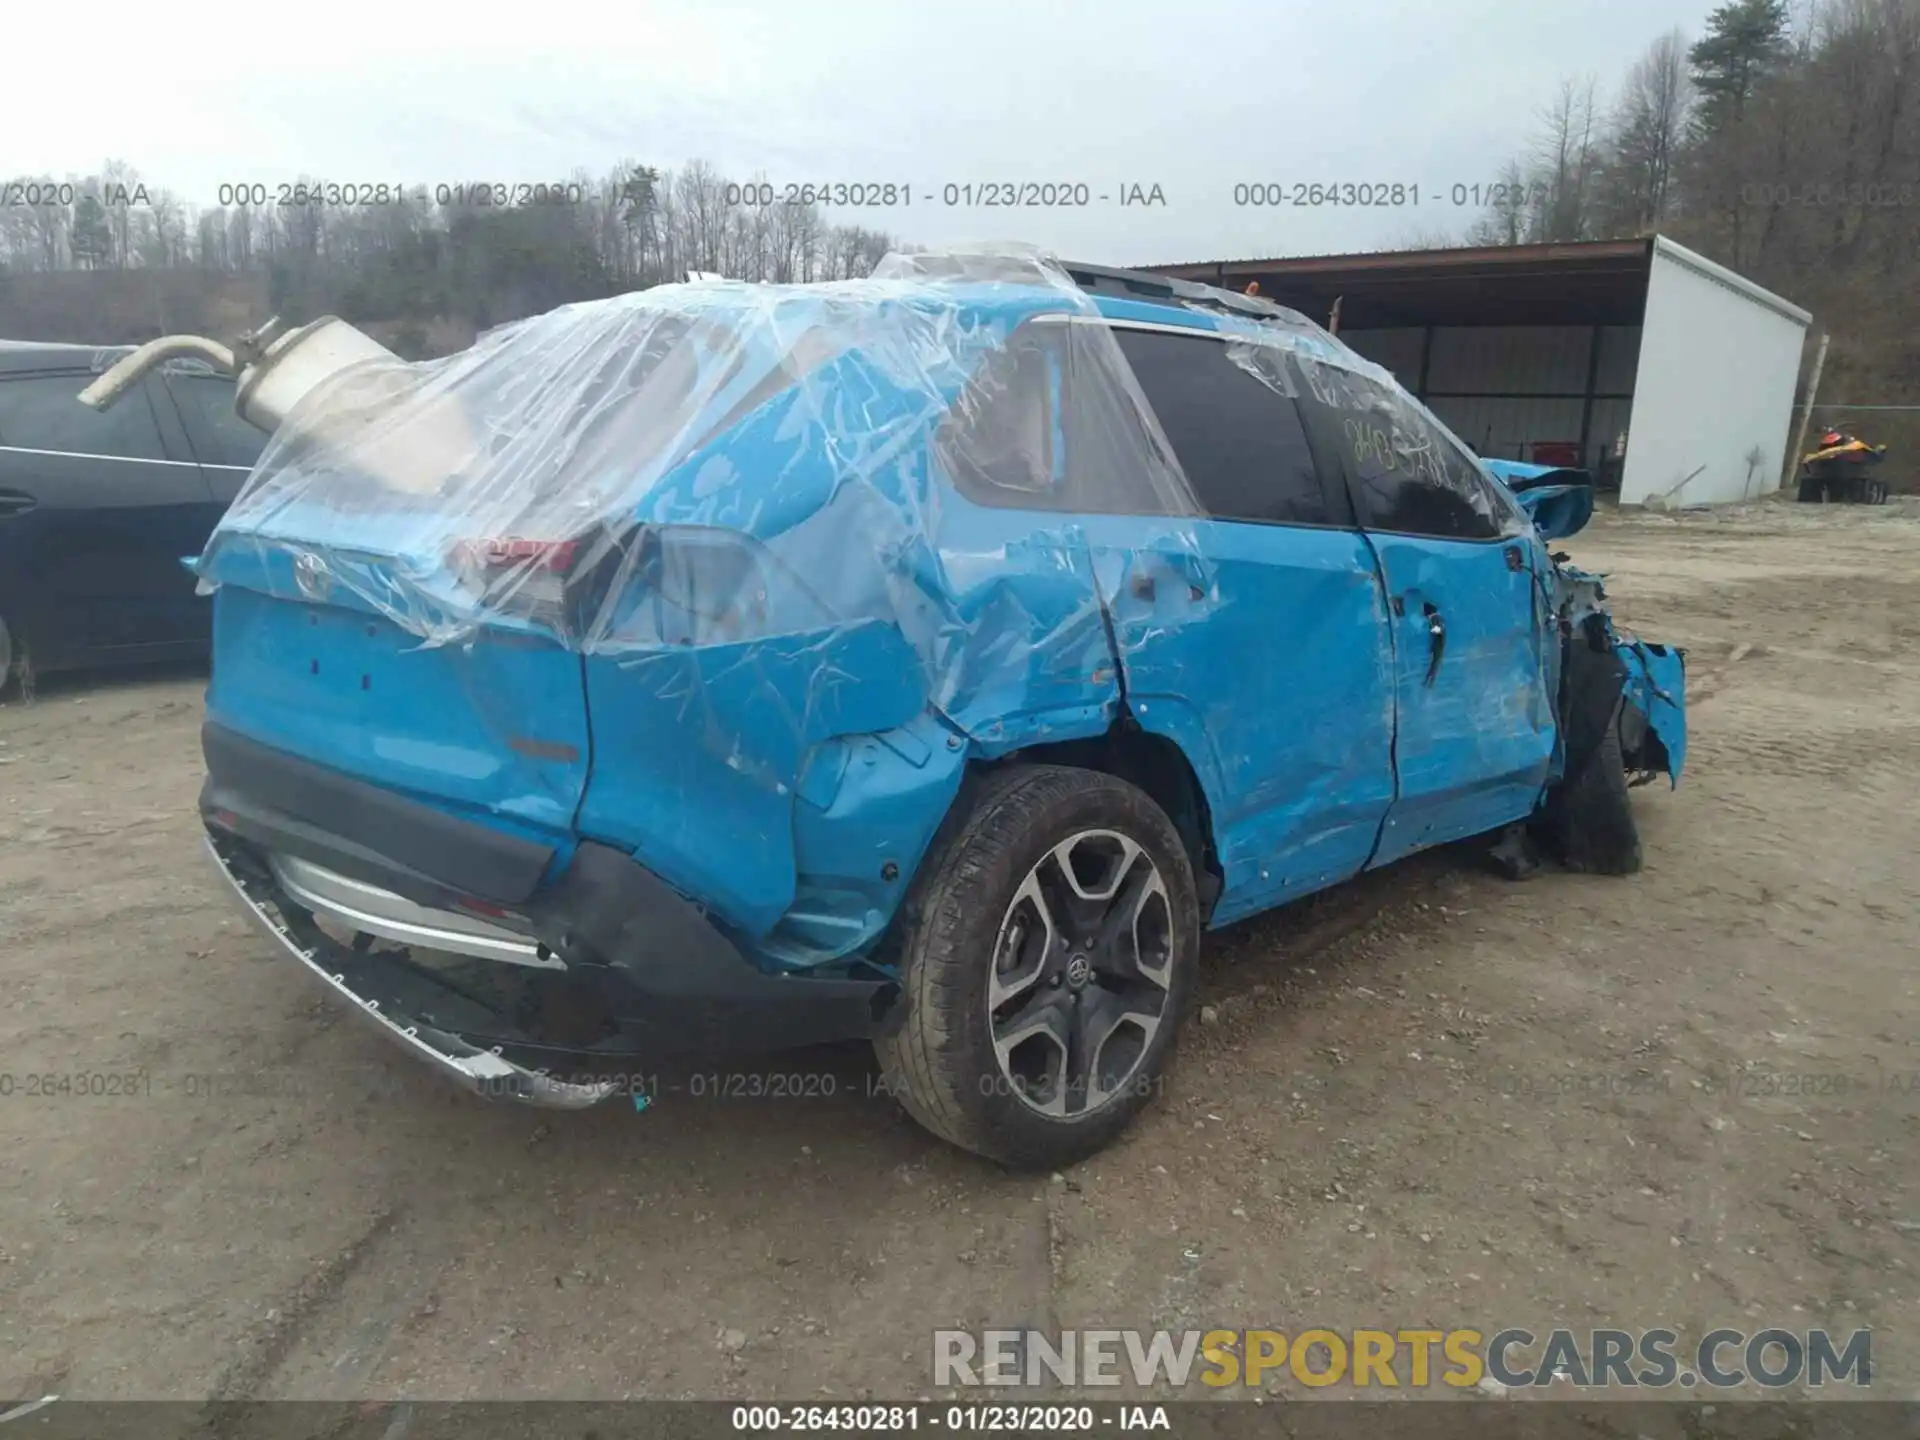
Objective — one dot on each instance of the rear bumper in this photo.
(356, 979)
(601, 961)
(369, 910)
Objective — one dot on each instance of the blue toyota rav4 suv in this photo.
(926, 659)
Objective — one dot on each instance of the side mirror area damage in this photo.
(1623, 722)
(1558, 499)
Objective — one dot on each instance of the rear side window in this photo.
(999, 440)
(1050, 422)
(1407, 475)
(1239, 441)
(218, 435)
(814, 349)
(43, 412)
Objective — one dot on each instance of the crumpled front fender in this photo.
(1656, 686)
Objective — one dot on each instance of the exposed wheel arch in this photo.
(1161, 768)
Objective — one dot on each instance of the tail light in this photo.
(556, 556)
(528, 578)
(645, 585)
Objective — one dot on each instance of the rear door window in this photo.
(1240, 442)
(43, 412)
(1407, 474)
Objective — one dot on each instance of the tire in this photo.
(994, 888)
(1590, 815)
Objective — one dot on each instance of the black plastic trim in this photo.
(318, 814)
(692, 987)
(658, 972)
(1592, 677)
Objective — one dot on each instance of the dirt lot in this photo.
(1429, 1097)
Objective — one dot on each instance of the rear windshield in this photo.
(556, 438)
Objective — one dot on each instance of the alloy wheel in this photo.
(1081, 975)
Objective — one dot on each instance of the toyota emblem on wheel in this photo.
(1080, 976)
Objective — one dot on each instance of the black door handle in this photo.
(1436, 641)
(14, 502)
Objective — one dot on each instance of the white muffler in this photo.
(276, 367)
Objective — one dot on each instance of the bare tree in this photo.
(701, 194)
(1428, 237)
(1566, 160)
(1649, 126)
(1868, 63)
(35, 236)
(638, 212)
(1508, 219)
(119, 184)
(166, 238)
(53, 226)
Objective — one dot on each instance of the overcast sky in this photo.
(1194, 96)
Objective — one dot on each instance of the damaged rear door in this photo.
(1254, 636)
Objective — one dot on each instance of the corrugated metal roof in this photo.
(1570, 250)
(1592, 282)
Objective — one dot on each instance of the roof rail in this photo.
(1145, 285)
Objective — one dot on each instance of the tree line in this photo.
(475, 254)
(1783, 141)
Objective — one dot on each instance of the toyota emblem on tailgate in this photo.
(311, 575)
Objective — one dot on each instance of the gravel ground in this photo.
(1429, 1096)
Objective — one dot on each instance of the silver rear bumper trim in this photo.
(484, 1072)
(382, 913)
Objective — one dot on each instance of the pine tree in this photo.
(92, 237)
(1745, 40)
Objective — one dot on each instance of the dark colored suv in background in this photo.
(97, 509)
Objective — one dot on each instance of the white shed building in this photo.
(1664, 374)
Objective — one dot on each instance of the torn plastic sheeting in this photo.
(1381, 434)
(561, 472)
